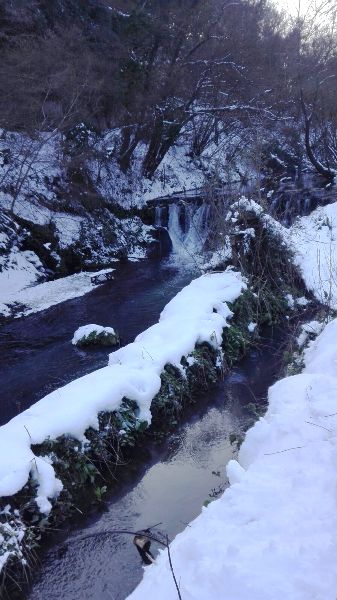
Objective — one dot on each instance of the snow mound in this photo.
(133, 373)
(273, 533)
(95, 334)
(314, 242)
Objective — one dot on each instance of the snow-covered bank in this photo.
(27, 300)
(314, 242)
(272, 535)
(197, 314)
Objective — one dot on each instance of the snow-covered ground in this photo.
(32, 299)
(178, 171)
(133, 373)
(273, 533)
(20, 270)
(314, 242)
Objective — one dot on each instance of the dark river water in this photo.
(36, 354)
(178, 476)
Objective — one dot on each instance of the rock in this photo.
(102, 277)
(161, 245)
(95, 335)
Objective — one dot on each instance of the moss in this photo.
(203, 370)
(237, 338)
(178, 389)
(170, 401)
(103, 338)
(245, 308)
(235, 344)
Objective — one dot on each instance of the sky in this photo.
(292, 5)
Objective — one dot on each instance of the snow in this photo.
(133, 372)
(218, 257)
(273, 533)
(178, 173)
(42, 296)
(290, 300)
(314, 241)
(11, 536)
(19, 270)
(68, 227)
(86, 330)
(302, 301)
(251, 327)
(311, 328)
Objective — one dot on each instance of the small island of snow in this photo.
(96, 335)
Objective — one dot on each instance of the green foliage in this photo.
(235, 343)
(168, 404)
(103, 338)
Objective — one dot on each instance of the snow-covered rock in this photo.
(95, 335)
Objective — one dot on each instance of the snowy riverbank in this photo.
(272, 534)
(312, 241)
(34, 298)
(198, 314)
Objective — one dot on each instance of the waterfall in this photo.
(174, 228)
(188, 227)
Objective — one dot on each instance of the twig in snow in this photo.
(151, 537)
(28, 432)
(280, 451)
(171, 567)
(320, 426)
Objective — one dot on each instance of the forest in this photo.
(152, 70)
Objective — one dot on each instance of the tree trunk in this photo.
(130, 141)
(321, 169)
(162, 139)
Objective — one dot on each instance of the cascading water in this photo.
(188, 227)
(198, 229)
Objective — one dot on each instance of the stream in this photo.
(179, 476)
(170, 485)
(36, 353)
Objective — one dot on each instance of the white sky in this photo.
(292, 5)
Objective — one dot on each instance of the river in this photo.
(36, 354)
(178, 475)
